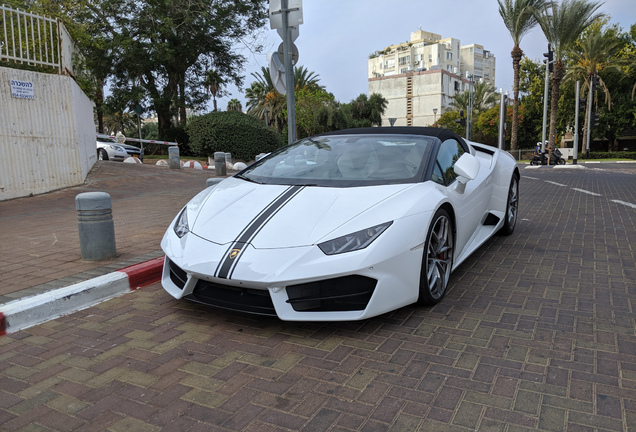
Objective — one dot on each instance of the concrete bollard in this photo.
(219, 164)
(95, 223)
(173, 156)
(228, 160)
(212, 181)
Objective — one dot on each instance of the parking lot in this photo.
(537, 332)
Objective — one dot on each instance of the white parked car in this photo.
(109, 149)
(342, 226)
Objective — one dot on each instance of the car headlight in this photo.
(354, 241)
(181, 227)
(117, 148)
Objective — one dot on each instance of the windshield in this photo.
(345, 161)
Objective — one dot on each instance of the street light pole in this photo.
(576, 123)
(289, 74)
(469, 116)
(435, 114)
(549, 58)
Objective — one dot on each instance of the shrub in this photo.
(230, 131)
(608, 155)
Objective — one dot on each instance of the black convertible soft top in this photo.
(442, 134)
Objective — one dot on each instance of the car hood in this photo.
(277, 216)
(129, 147)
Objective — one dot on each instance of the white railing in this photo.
(31, 39)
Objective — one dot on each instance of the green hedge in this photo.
(231, 131)
(608, 155)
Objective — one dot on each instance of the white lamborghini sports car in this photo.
(342, 226)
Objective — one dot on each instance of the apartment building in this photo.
(420, 77)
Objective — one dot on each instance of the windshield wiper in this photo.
(243, 177)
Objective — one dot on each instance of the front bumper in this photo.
(300, 283)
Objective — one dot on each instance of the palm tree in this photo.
(596, 55)
(234, 105)
(119, 122)
(519, 17)
(303, 78)
(562, 28)
(263, 101)
(214, 83)
(484, 97)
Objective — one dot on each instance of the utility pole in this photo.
(502, 119)
(576, 123)
(548, 68)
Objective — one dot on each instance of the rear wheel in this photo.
(437, 261)
(512, 207)
(102, 155)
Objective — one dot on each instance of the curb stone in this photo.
(27, 312)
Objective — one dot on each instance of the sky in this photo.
(337, 37)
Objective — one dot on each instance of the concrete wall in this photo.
(431, 89)
(47, 142)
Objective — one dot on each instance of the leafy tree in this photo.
(448, 120)
(487, 125)
(519, 16)
(531, 87)
(165, 45)
(562, 27)
(365, 111)
(308, 103)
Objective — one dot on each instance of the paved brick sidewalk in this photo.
(39, 240)
(536, 333)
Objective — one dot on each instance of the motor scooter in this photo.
(541, 159)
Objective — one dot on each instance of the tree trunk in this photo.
(182, 102)
(585, 126)
(99, 102)
(517, 55)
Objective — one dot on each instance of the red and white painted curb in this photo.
(24, 313)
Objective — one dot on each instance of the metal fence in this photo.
(522, 154)
(30, 39)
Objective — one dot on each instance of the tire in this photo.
(437, 260)
(512, 207)
(561, 161)
(102, 155)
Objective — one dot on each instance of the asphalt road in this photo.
(537, 332)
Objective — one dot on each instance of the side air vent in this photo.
(177, 275)
(491, 219)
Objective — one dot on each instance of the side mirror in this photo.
(466, 168)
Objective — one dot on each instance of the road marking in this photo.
(531, 178)
(587, 192)
(628, 204)
(555, 183)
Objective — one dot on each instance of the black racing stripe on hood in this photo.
(226, 266)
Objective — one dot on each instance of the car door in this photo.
(470, 205)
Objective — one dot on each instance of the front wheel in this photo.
(512, 207)
(102, 155)
(437, 261)
(561, 161)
